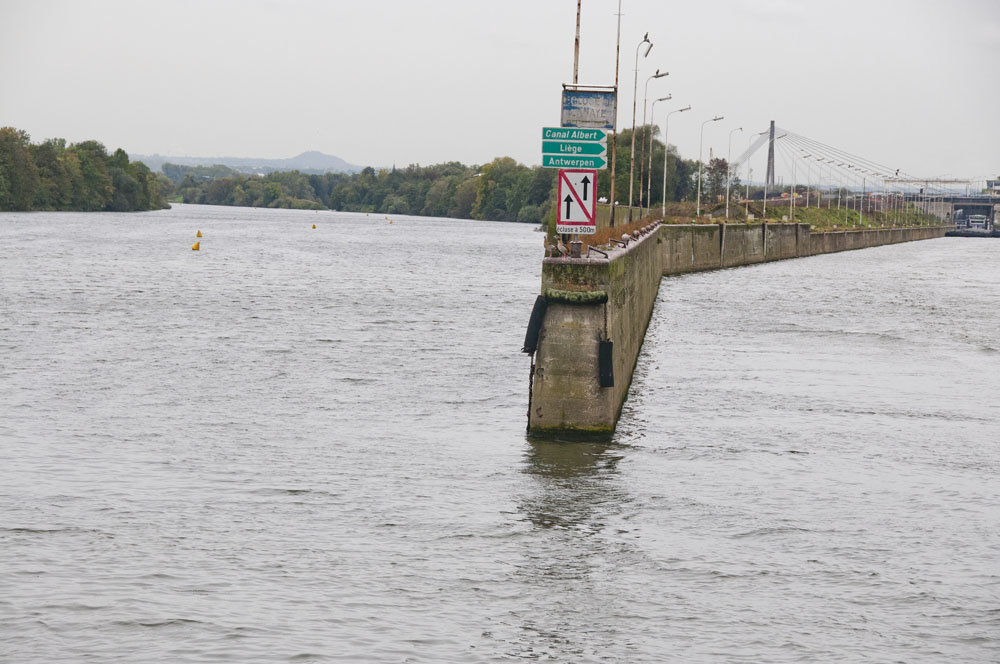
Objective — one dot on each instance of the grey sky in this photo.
(909, 84)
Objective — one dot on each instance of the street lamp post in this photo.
(649, 170)
(642, 148)
(635, 95)
(746, 212)
(805, 158)
(729, 168)
(666, 151)
(614, 126)
(819, 184)
(861, 220)
(701, 139)
(791, 197)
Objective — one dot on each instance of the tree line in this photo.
(52, 175)
(501, 190)
(83, 176)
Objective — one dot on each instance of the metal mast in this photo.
(769, 183)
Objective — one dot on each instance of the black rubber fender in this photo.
(605, 362)
(534, 325)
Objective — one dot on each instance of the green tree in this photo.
(119, 159)
(97, 186)
(149, 197)
(18, 173)
(241, 197)
(126, 191)
(463, 200)
(439, 197)
(496, 181)
(54, 190)
(713, 186)
(219, 192)
(395, 204)
(530, 213)
(271, 193)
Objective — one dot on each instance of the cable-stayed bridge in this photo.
(815, 174)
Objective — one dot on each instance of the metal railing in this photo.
(621, 215)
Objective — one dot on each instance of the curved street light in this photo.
(635, 95)
(666, 151)
(806, 157)
(642, 147)
(746, 211)
(649, 170)
(700, 141)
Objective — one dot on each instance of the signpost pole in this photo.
(576, 46)
(614, 130)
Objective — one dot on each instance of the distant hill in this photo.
(307, 162)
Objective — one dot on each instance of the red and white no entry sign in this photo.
(577, 201)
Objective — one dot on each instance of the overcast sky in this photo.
(913, 84)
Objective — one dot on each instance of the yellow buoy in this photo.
(198, 234)
(314, 225)
(196, 246)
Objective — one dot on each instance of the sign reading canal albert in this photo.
(577, 202)
(574, 134)
(573, 147)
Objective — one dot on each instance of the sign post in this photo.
(577, 201)
(579, 147)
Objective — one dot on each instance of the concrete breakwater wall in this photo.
(597, 299)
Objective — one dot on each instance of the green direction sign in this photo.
(574, 134)
(573, 148)
(570, 161)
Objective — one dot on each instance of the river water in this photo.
(304, 444)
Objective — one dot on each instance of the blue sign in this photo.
(594, 110)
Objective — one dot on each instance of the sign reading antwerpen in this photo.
(588, 108)
(577, 202)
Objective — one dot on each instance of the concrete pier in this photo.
(597, 299)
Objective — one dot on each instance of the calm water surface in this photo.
(308, 445)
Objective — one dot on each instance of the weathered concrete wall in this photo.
(618, 294)
(566, 391)
(696, 248)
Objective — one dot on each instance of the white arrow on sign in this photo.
(577, 201)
